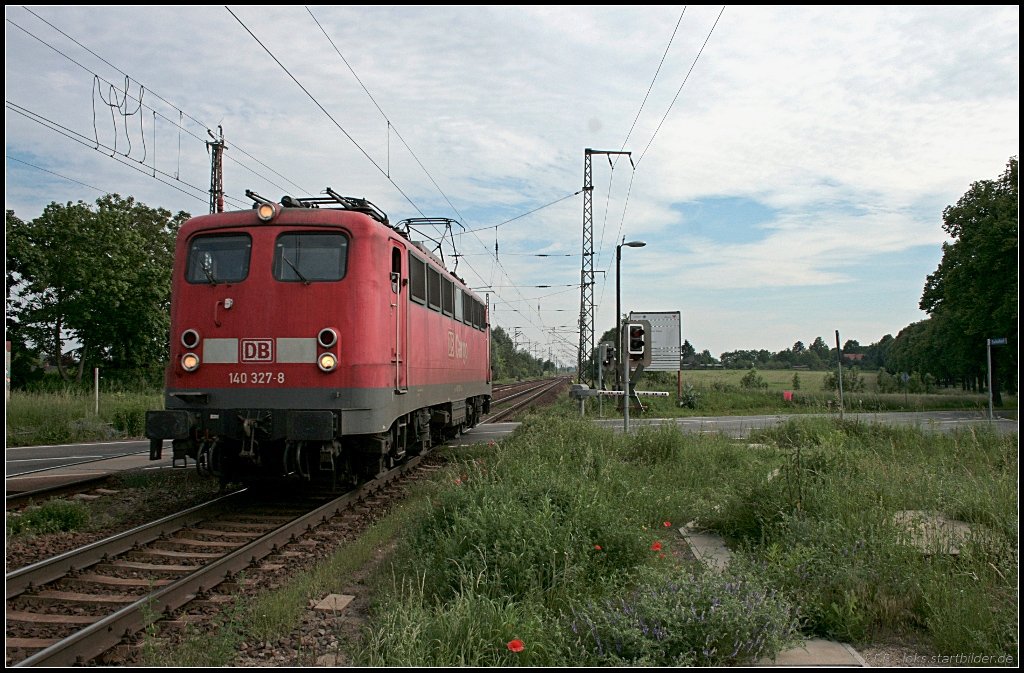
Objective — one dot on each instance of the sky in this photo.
(788, 166)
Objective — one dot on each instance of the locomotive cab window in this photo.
(308, 257)
(218, 259)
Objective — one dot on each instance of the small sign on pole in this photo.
(999, 341)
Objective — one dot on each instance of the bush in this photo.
(56, 516)
(752, 380)
(690, 398)
(853, 382)
(680, 617)
(129, 418)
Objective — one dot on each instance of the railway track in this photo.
(75, 607)
(513, 398)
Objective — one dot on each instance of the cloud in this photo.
(849, 128)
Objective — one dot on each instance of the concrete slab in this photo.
(817, 652)
(331, 660)
(334, 603)
(707, 547)
(932, 532)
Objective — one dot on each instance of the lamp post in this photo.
(618, 323)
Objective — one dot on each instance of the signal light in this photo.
(637, 341)
(609, 356)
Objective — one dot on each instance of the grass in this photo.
(65, 417)
(54, 516)
(722, 393)
(548, 540)
(552, 549)
(558, 548)
(142, 496)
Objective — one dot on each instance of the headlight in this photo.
(190, 338)
(327, 337)
(266, 211)
(327, 362)
(190, 362)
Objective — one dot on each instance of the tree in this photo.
(26, 343)
(94, 281)
(877, 353)
(973, 293)
(820, 348)
(508, 363)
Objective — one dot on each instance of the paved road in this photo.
(27, 459)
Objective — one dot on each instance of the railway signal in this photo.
(636, 342)
(610, 356)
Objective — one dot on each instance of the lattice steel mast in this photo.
(587, 270)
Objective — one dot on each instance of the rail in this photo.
(109, 631)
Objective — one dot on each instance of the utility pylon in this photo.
(216, 147)
(587, 270)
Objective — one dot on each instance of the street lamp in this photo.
(618, 323)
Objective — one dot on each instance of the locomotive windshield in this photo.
(218, 259)
(310, 257)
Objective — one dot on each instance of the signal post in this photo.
(634, 339)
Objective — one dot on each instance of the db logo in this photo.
(457, 348)
(257, 350)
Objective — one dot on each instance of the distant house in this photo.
(853, 357)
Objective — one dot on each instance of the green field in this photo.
(777, 379)
(751, 392)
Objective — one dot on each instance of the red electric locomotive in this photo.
(310, 338)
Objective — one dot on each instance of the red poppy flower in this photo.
(597, 547)
(656, 546)
(668, 524)
(516, 645)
